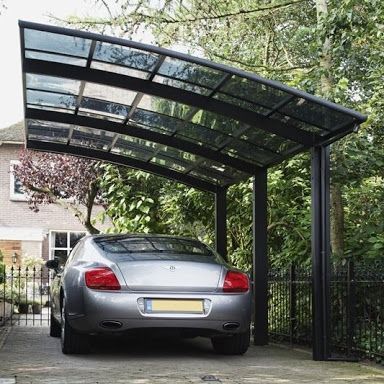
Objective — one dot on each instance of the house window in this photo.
(16, 191)
(62, 242)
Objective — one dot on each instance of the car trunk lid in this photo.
(170, 275)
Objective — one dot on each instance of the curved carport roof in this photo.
(201, 123)
(188, 119)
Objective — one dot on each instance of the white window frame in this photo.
(68, 247)
(12, 179)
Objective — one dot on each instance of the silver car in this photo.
(127, 283)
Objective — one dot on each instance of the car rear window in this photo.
(153, 245)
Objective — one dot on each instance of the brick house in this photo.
(49, 233)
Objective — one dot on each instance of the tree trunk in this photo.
(91, 196)
(337, 221)
(336, 202)
(325, 58)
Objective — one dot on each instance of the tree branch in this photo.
(107, 8)
(158, 19)
(85, 21)
(255, 66)
(84, 219)
(241, 12)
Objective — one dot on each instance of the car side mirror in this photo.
(52, 264)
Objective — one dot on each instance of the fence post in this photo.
(292, 302)
(3, 280)
(350, 305)
(13, 304)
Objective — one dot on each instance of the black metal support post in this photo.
(221, 222)
(260, 257)
(320, 253)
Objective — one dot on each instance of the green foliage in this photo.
(140, 202)
(131, 199)
(290, 211)
(282, 40)
(187, 211)
(364, 218)
(31, 262)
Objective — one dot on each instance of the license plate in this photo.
(173, 306)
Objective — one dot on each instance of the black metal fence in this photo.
(357, 305)
(24, 296)
(357, 308)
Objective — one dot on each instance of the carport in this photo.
(200, 123)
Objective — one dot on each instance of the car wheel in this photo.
(54, 328)
(72, 342)
(233, 345)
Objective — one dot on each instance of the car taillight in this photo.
(101, 278)
(236, 282)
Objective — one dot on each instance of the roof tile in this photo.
(13, 133)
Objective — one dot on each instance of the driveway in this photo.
(29, 355)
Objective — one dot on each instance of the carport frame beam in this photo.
(321, 252)
(260, 257)
(221, 222)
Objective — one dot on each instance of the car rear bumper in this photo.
(123, 308)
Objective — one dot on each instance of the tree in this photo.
(72, 182)
(322, 47)
(132, 199)
(331, 48)
(350, 34)
(137, 201)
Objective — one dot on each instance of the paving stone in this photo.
(29, 355)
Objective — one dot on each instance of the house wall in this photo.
(19, 223)
(17, 213)
(8, 249)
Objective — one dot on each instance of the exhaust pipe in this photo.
(111, 324)
(231, 326)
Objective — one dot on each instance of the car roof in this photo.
(121, 236)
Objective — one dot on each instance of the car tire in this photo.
(54, 327)
(72, 342)
(233, 345)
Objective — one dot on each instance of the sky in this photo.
(11, 99)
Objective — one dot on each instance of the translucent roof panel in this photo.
(52, 84)
(253, 92)
(217, 122)
(315, 115)
(103, 108)
(125, 56)
(56, 43)
(182, 117)
(107, 67)
(92, 138)
(125, 147)
(46, 131)
(51, 99)
(181, 85)
(55, 58)
(105, 92)
(241, 102)
(190, 72)
(163, 106)
(154, 120)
